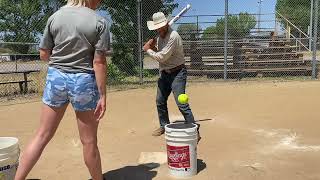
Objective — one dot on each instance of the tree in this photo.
(238, 26)
(210, 33)
(23, 21)
(185, 30)
(296, 11)
(124, 28)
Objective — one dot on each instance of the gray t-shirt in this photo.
(74, 34)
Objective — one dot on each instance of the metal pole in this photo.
(140, 45)
(15, 59)
(315, 36)
(259, 15)
(300, 42)
(310, 28)
(225, 40)
(197, 24)
(275, 24)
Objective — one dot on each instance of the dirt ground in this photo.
(250, 130)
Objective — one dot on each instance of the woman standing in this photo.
(74, 42)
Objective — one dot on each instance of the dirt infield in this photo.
(250, 130)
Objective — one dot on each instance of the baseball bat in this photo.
(178, 16)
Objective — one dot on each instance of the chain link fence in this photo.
(21, 70)
(258, 45)
(244, 45)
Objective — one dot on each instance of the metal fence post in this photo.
(315, 37)
(300, 41)
(140, 45)
(16, 63)
(311, 22)
(225, 40)
(259, 15)
(275, 24)
(197, 24)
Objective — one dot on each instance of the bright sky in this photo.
(235, 6)
(217, 7)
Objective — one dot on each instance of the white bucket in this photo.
(9, 157)
(182, 149)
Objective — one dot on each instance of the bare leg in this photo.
(88, 135)
(49, 121)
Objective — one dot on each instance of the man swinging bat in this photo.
(167, 49)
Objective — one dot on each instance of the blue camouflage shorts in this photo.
(80, 89)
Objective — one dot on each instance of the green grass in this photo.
(5, 50)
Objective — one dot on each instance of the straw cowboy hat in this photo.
(158, 21)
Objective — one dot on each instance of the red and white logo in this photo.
(178, 156)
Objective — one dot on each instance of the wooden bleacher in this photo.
(277, 56)
(247, 57)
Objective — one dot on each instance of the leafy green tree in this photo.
(238, 26)
(185, 30)
(23, 21)
(210, 32)
(124, 28)
(296, 11)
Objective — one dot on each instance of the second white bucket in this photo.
(9, 157)
(182, 149)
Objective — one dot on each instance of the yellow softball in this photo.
(183, 98)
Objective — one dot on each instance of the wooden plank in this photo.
(213, 57)
(246, 67)
(262, 41)
(279, 61)
(215, 71)
(276, 61)
(304, 68)
(14, 82)
(267, 47)
(270, 54)
(210, 61)
(22, 90)
(18, 72)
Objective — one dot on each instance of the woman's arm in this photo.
(100, 70)
(45, 54)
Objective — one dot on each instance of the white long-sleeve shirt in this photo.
(170, 51)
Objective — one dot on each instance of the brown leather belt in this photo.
(177, 68)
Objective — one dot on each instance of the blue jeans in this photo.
(175, 82)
